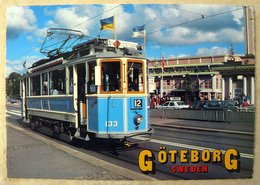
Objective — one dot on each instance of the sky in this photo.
(184, 30)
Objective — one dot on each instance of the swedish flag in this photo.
(107, 24)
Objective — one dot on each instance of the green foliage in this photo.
(13, 85)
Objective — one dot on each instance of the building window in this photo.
(237, 92)
(177, 84)
(168, 82)
(208, 84)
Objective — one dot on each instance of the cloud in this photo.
(17, 65)
(19, 20)
(184, 24)
(211, 51)
(182, 55)
(165, 24)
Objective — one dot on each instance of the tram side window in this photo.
(27, 87)
(44, 84)
(35, 86)
(57, 85)
(91, 87)
(135, 77)
(70, 80)
(111, 76)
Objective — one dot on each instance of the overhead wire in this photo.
(194, 20)
(149, 33)
(202, 16)
(31, 49)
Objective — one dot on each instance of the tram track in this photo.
(124, 157)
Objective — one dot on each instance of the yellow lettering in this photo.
(194, 156)
(205, 156)
(173, 155)
(231, 160)
(162, 155)
(216, 156)
(146, 161)
(183, 156)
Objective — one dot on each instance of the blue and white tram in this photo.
(96, 90)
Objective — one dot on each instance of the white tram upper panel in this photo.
(96, 48)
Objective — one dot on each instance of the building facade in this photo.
(201, 78)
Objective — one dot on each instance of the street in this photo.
(33, 155)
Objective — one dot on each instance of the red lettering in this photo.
(205, 169)
(187, 169)
(173, 169)
(193, 169)
(190, 169)
(180, 169)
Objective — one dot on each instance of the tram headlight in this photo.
(138, 119)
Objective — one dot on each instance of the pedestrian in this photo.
(158, 101)
(245, 103)
(152, 103)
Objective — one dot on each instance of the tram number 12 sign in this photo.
(138, 103)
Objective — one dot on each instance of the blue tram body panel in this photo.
(106, 115)
(116, 115)
(64, 104)
(34, 103)
(136, 105)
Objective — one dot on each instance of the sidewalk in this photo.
(31, 155)
(204, 125)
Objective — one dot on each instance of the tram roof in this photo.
(97, 47)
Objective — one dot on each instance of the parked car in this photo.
(12, 100)
(216, 105)
(174, 105)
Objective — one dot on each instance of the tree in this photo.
(13, 85)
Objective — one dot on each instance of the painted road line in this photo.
(190, 146)
(17, 113)
(204, 129)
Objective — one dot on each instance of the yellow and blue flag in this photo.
(107, 24)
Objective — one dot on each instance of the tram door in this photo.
(81, 72)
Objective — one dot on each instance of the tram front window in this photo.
(135, 77)
(111, 76)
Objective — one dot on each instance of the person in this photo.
(245, 103)
(55, 92)
(152, 104)
(134, 86)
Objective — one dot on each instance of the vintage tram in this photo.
(96, 90)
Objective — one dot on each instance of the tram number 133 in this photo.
(111, 123)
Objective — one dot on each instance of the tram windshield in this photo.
(110, 76)
(135, 77)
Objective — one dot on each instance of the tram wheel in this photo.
(33, 125)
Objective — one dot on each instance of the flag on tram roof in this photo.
(107, 23)
(138, 31)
